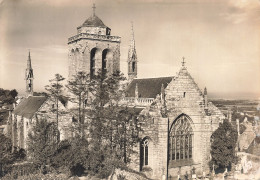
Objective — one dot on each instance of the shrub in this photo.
(223, 144)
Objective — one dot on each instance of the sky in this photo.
(219, 39)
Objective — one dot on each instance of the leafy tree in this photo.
(42, 142)
(55, 90)
(7, 96)
(13, 93)
(223, 144)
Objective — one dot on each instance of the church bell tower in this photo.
(29, 77)
(132, 59)
(93, 48)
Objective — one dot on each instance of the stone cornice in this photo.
(94, 37)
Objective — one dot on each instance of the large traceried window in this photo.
(180, 141)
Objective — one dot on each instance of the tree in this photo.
(42, 142)
(223, 144)
(79, 86)
(13, 93)
(55, 90)
(72, 155)
(113, 129)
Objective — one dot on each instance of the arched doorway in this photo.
(180, 141)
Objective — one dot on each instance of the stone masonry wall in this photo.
(182, 96)
(79, 55)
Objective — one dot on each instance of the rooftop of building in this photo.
(29, 106)
(147, 87)
(94, 21)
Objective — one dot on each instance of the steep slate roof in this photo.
(94, 21)
(147, 88)
(29, 106)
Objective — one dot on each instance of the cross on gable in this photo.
(94, 9)
(183, 62)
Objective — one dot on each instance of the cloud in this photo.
(240, 11)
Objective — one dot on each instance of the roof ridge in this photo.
(155, 77)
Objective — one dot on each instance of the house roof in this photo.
(29, 106)
(147, 88)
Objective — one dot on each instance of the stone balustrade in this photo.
(94, 36)
(137, 101)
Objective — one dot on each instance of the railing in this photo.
(94, 36)
(137, 101)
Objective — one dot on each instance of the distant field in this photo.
(238, 106)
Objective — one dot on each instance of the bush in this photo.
(71, 155)
(7, 157)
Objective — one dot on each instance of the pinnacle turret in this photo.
(132, 58)
(29, 76)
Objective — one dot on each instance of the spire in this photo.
(133, 36)
(29, 63)
(29, 76)
(132, 50)
(132, 57)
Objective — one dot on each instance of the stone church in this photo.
(27, 110)
(177, 118)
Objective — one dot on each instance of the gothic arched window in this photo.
(144, 152)
(180, 140)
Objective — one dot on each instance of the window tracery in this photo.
(180, 140)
